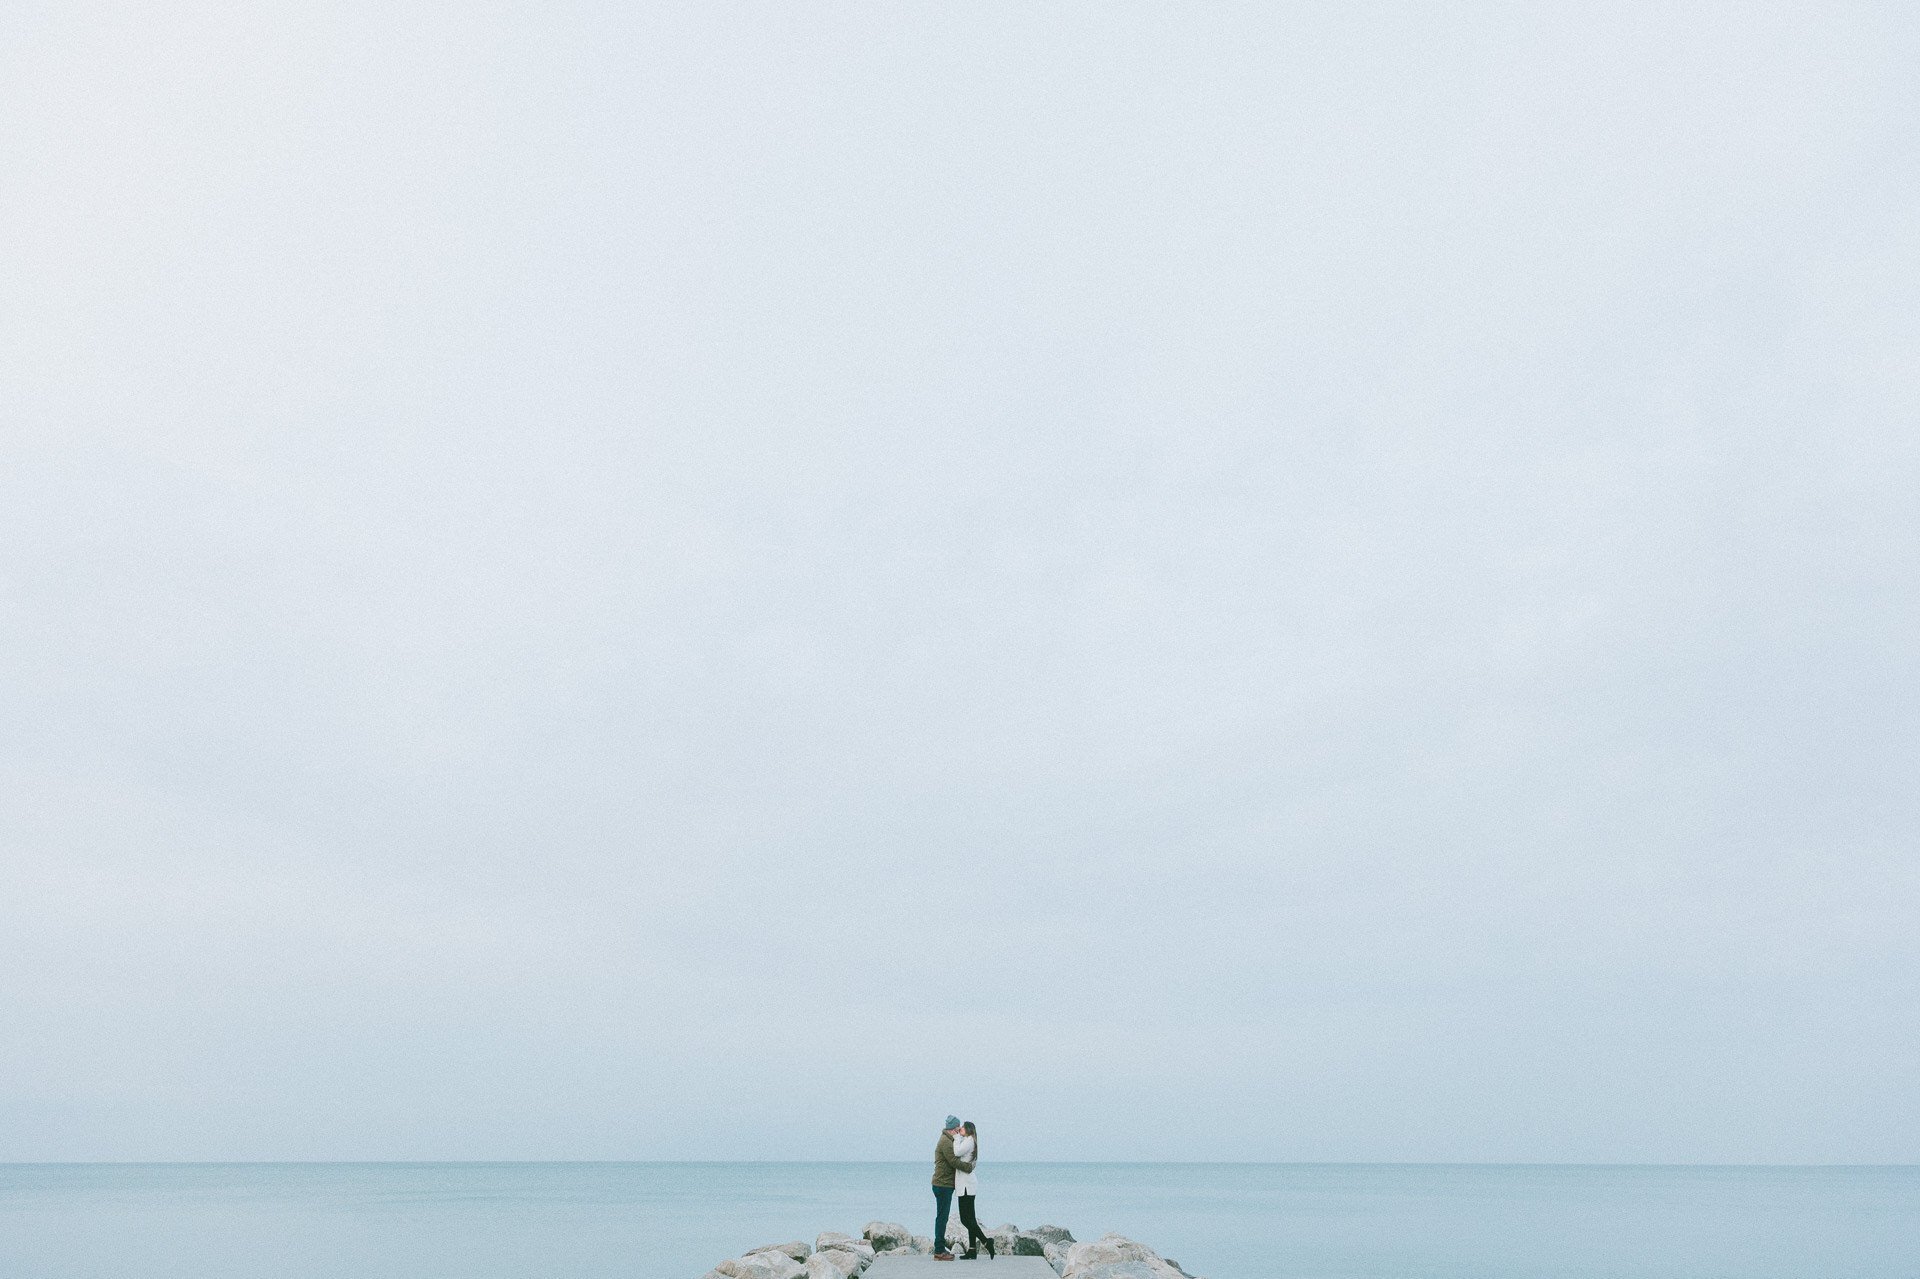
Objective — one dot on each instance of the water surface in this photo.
(1226, 1221)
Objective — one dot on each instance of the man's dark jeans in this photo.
(942, 1203)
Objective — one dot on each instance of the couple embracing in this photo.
(953, 1161)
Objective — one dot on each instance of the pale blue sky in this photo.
(592, 580)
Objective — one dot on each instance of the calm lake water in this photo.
(1225, 1221)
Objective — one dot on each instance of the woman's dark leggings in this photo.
(975, 1235)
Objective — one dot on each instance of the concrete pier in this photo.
(927, 1268)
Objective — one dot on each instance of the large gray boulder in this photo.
(1026, 1244)
(1120, 1270)
(1052, 1234)
(834, 1239)
(923, 1244)
(852, 1255)
(885, 1235)
(847, 1261)
(833, 1264)
(1056, 1255)
(1093, 1260)
(794, 1248)
(1082, 1257)
(762, 1265)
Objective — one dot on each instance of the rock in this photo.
(1120, 1270)
(923, 1244)
(904, 1250)
(795, 1249)
(833, 1264)
(834, 1239)
(844, 1260)
(762, 1265)
(1052, 1234)
(1129, 1249)
(885, 1235)
(1093, 1260)
(1056, 1255)
(857, 1253)
(1011, 1241)
(1082, 1257)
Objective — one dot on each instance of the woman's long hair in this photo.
(974, 1133)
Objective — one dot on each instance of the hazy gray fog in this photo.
(1247, 581)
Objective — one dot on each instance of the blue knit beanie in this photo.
(953, 1121)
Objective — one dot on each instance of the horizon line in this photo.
(1001, 1163)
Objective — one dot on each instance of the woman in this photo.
(967, 1151)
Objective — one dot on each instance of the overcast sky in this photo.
(1241, 581)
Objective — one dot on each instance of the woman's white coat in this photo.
(963, 1182)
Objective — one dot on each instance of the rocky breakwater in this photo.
(833, 1255)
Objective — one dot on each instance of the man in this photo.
(944, 1166)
